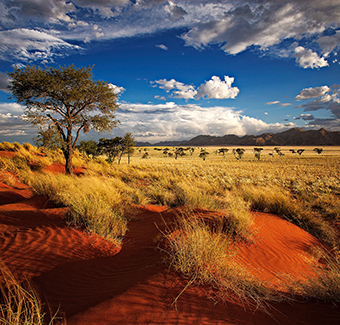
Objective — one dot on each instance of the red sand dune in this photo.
(93, 281)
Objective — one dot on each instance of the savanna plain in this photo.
(159, 240)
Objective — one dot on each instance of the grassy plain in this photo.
(303, 189)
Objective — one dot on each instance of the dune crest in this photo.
(94, 281)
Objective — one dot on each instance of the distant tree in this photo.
(257, 152)
(110, 147)
(48, 138)
(238, 153)
(203, 154)
(223, 151)
(300, 151)
(67, 98)
(127, 144)
(179, 152)
(278, 151)
(318, 150)
(89, 147)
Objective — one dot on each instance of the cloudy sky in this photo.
(184, 68)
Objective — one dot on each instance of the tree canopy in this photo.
(67, 98)
(48, 138)
(117, 146)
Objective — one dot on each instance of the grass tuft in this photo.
(207, 257)
(323, 284)
(19, 302)
(275, 200)
(96, 204)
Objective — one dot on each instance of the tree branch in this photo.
(59, 127)
(77, 134)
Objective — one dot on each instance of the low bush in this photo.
(207, 257)
(96, 204)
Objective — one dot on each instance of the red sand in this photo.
(60, 169)
(94, 282)
(9, 154)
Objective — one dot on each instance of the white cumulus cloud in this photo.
(178, 89)
(305, 117)
(161, 122)
(116, 89)
(4, 81)
(330, 43)
(266, 24)
(306, 58)
(273, 103)
(322, 98)
(216, 88)
(311, 92)
(12, 125)
(285, 104)
(162, 46)
(234, 25)
(176, 12)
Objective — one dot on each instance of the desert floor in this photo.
(93, 281)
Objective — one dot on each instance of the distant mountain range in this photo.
(292, 137)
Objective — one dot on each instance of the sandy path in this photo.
(94, 283)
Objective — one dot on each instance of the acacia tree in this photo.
(67, 98)
(110, 147)
(117, 147)
(128, 142)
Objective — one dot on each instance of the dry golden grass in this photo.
(19, 302)
(206, 257)
(97, 204)
(324, 284)
(7, 178)
(303, 189)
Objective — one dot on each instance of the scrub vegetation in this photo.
(304, 189)
(20, 301)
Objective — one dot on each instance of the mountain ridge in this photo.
(291, 137)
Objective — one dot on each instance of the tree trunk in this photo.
(120, 157)
(68, 153)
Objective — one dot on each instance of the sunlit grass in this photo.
(208, 257)
(20, 303)
(323, 284)
(303, 189)
(96, 204)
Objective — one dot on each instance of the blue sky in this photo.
(184, 68)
